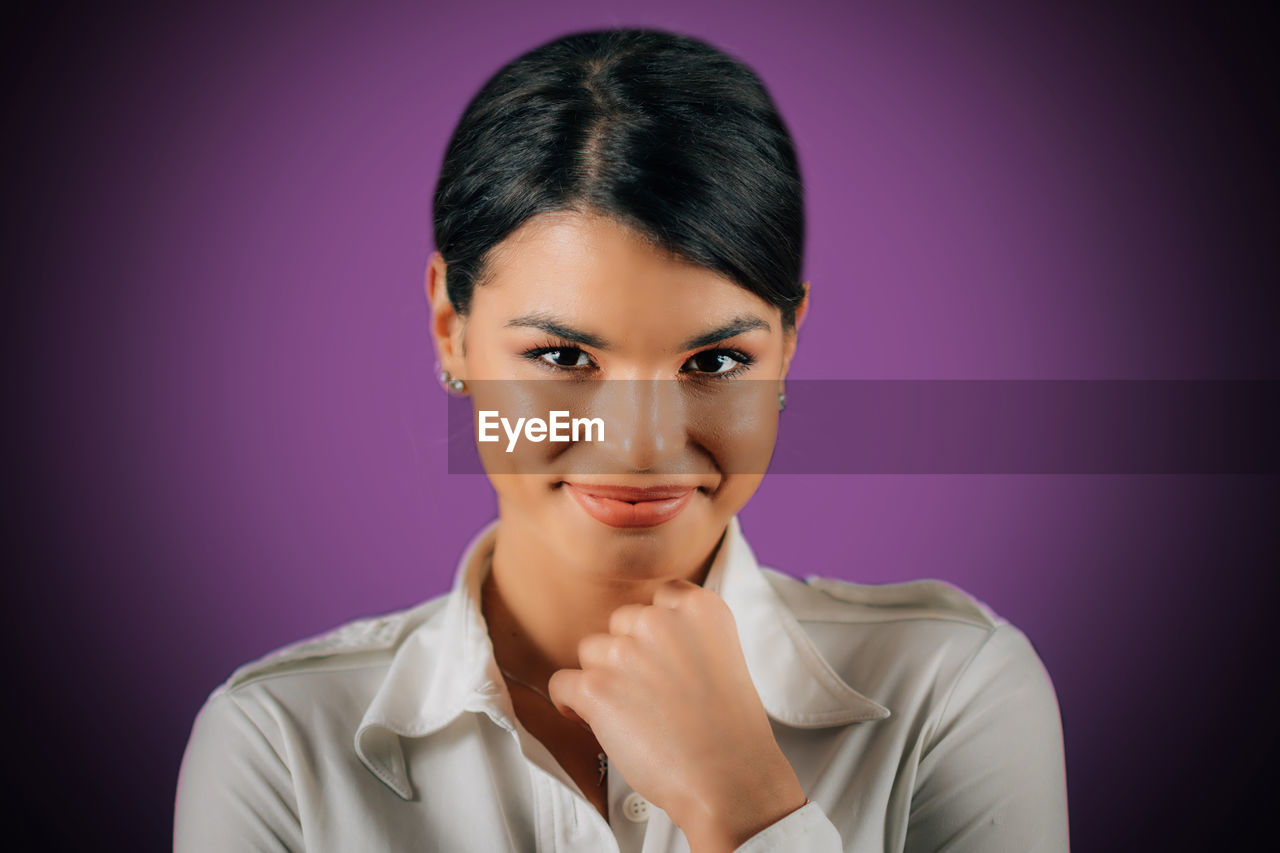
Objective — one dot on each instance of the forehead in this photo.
(591, 266)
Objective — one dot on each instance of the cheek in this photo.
(517, 490)
(504, 411)
(734, 492)
(737, 425)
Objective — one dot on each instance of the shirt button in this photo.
(635, 808)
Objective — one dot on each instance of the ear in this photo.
(446, 322)
(789, 345)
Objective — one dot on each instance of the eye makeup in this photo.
(714, 364)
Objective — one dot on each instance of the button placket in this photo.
(564, 819)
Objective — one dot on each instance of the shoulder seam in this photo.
(955, 620)
(388, 630)
(312, 665)
(962, 606)
(955, 683)
(265, 737)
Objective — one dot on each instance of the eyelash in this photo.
(744, 361)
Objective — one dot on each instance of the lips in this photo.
(631, 506)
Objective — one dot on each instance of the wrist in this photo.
(725, 823)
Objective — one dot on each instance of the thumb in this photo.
(564, 688)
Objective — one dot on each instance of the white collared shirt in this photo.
(915, 719)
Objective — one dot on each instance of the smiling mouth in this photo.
(631, 506)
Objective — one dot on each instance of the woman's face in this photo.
(681, 365)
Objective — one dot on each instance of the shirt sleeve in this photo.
(991, 776)
(235, 791)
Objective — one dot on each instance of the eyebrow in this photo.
(736, 326)
(553, 326)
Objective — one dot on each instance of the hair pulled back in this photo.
(659, 131)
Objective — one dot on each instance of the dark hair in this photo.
(659, 131)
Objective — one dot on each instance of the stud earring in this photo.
(450, 383)
(782, 400)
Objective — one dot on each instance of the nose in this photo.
(644, 423)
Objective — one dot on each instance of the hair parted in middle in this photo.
(661, 132)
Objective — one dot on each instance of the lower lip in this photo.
(617, 513)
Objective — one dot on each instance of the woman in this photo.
(612, 669)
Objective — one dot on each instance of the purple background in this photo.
(229, 436)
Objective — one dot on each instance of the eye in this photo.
(562, 357)
(717, 362)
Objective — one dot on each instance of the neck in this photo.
(538, 607)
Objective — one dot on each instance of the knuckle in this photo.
(621, 652)
(694, 597)
(562, 685)
(621, 618)
(596, 683)
(648, 622)
(706, 602)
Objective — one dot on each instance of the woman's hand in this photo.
(668, 696)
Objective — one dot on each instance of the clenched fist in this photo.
(669, 698)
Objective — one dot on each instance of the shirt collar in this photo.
(796, 684)
(425, 689)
